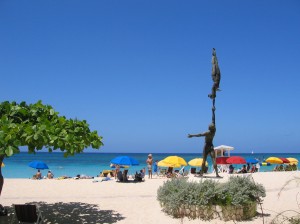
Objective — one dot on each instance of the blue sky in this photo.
(140, 71)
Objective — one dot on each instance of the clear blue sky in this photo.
(140, 71)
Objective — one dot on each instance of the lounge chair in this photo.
(27, 213)
(182, 173)
(162, 172)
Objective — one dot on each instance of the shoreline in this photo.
(135, 202)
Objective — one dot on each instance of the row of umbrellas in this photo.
(241, 160)
(170, 161)
(277, 160)
(176, 161)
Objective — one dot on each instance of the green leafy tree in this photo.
(39, 126)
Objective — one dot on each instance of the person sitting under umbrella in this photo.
(243, 170)
(38, 175)
(231, 168)
(253, 169)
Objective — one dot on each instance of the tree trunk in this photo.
(1, 177)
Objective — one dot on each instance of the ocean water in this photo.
(92, 164)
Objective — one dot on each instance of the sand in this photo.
(85, 201)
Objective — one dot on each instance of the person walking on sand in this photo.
(149, 162)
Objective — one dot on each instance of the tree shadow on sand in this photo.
(76, 212)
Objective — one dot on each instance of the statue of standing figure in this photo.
(208, 148)
(209, 135)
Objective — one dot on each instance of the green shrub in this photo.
(238, 191)
(172, 194)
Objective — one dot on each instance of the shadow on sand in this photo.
(208, 177)
(74, 212)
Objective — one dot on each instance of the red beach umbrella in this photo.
(284, 160)
(221, 160)
(236, 160)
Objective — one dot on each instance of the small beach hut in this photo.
(220, 150)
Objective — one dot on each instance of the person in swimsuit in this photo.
(149, 162)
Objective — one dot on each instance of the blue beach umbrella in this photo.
(125, 160)
(251, 160)
(38, 165)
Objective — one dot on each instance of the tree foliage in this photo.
(38, 126)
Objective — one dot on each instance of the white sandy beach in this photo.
(84, 201)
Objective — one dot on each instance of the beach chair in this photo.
(162, 172)
(180, 173)
(27, 213)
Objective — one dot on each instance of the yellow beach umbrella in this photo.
(293, 161)
(2, 165)
(197, 162)
(164, 164)
(274, 160)
(175, 160)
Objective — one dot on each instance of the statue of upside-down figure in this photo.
(215, 74)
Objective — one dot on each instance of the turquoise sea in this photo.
(92, 164)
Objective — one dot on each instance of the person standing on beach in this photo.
(155, 167)
(117, 171)
(149, 162)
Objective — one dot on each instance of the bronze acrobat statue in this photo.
(216, 76)
(209, 135)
